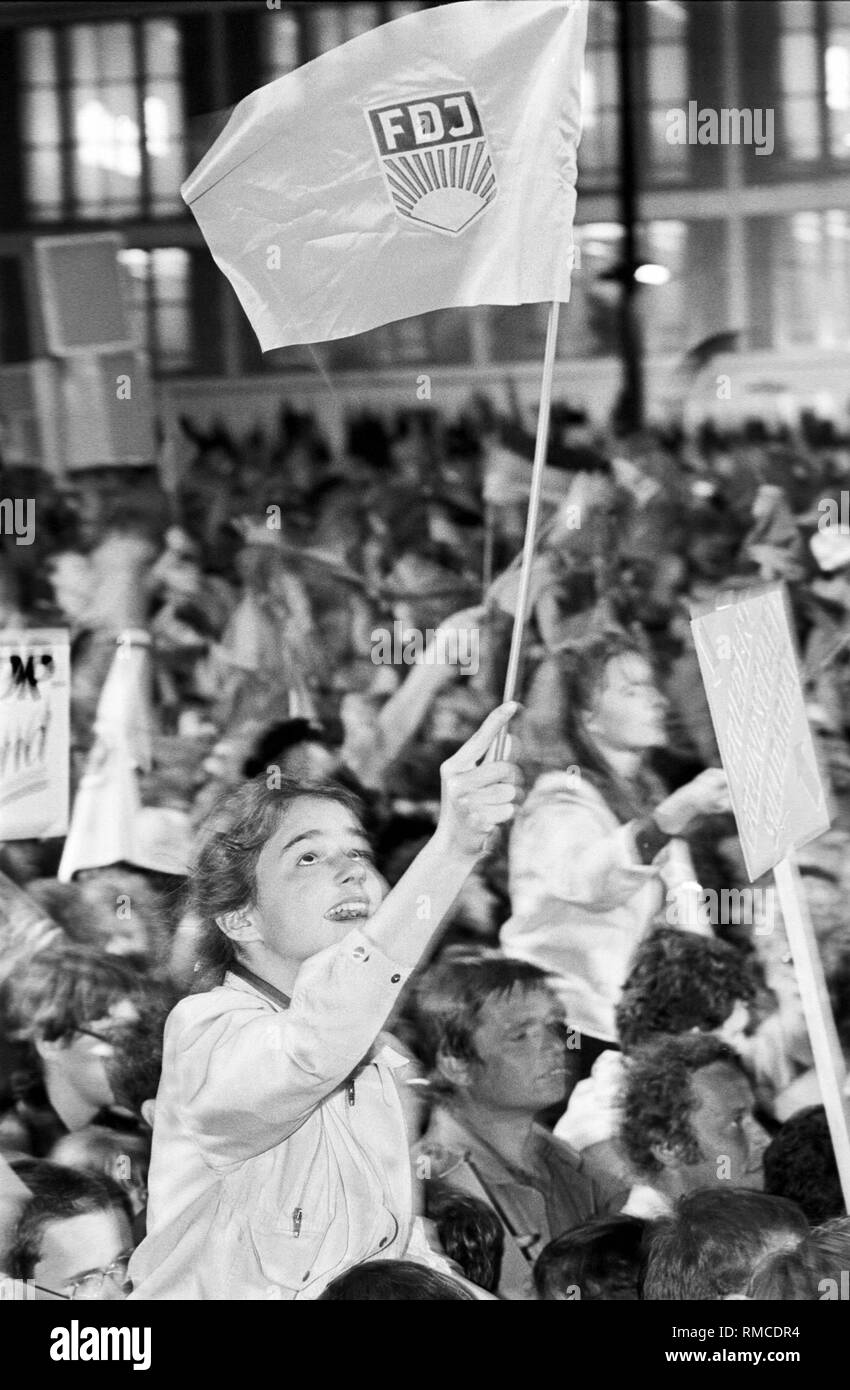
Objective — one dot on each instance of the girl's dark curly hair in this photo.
(680, 981)
(224, 878)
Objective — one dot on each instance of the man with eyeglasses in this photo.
(73, 1235)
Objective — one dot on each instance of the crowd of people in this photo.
(383, 1005)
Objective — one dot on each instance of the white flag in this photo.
(428, 163)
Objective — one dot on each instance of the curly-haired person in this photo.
(678, 983)
(687, 1122)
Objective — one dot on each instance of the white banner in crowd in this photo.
(34, 733)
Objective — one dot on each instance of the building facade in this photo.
(744, 215)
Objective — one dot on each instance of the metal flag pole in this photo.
(540, 448)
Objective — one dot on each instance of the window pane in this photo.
(172, 331)
(44, 180)
(359, 18)
(799, 64)
(837, 72)
(170, 267)
(797, 14)
(801, 117)
(162, 47)
(665, 23)
(598, 152)
(101, 52)
(136, 267)
(280, 37)
(798, 278)
(115, 48)
(163, 107)
(601, 23)
(40, 116)
(105, 130)
(38, 55)
(668, 73)
(837, 69)
(693, 303)
(166, 175)
(839, 134)
(325, 29)
(602, 64)
(85, 66)
(670, 160)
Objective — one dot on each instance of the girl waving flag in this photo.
(279, 1152)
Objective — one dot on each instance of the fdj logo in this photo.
(435, 159)
(23, 678)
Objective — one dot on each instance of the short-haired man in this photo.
(495, 1042)
(72, 1236)
(714, 1242)
(96, 1025)
(687, 1122)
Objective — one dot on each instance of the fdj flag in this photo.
(426, 164)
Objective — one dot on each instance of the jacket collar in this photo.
(274, 995)
(450, 1132)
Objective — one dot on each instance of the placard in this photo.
(751, 676)
(35, 685)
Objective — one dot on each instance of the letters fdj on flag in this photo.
(429, 163)
(749, 669)
(34, 734)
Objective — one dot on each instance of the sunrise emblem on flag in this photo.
(435, 160)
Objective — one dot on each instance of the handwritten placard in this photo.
(750, 672)
(34, 733)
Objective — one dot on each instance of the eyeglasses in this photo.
(90, 1285)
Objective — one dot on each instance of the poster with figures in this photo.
(34, 733)
(749, 668)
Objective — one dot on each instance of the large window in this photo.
(598, 152)
(160, 309)
(102, 120)
(811, 279)
(798, 71)
(814, 79)
(667, 89)
(837, 77)
(293, 36)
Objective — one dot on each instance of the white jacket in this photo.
(581, 898)
(266, 1180)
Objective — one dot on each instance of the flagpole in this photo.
(489, 525)
(826, 1050)
(540, 449)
